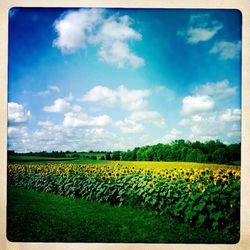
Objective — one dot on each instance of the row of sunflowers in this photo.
(196, 194)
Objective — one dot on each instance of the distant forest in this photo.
(178, 150)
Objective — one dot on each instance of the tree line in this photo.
(181, 150)
(178, 150)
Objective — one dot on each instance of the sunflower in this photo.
(150, 184)
(237, 175)
(174, 178)
(192, 178)
(201, 187)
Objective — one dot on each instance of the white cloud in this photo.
(213, 125)
(202, 138)
(197, 104)
(18, 138)
(130, 99)
(54, 88)
(234, 131)
(114, 37)
(184, 122)
(217, 90)
(46, 124)
(148, 116)
(50, 136)
(14, 132)
(208, 127)
(196, 35)
(17, 113)
(97, 134)
(49, 90)
(227, 50)
(75, 27)
(79, 120)
(61, 106)
(79, 28)
(230, 115)
(133, 99)
(204, 125)
(116, 28)
(119, 54)
(201, 28)
(129, 126)
(102, 95)
(172, 135)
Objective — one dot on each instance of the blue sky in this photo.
(111, 79)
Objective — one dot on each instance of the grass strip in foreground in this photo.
(42, 217)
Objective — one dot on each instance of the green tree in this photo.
(108, 156)
(220, 156)
(116, 155)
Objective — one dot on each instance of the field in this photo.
(42, 217)
(199, 195)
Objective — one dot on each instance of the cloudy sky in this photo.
(109, 79)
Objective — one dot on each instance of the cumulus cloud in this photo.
(230, 115)
(17, 113)
(213, 125)
(74, 28)
(78, 120)
(46, 124)
(218, 90)
(129, 126)
(49, 90)
(202, 138)
(204, 125)
(102, 95)
(227, 50)
(148, 116)
(130, 99)
(61, 105)
(201, 28)
(77, 29)
(75, 138)
(16, 132)
(197, 104)
(113, 37)
(174, 134)
(133, 99)
(18, 138)
(234, 131)
(52, 136)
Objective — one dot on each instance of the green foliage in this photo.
(180, 150)
(108, 156)
(116, 156)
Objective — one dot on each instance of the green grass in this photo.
(43, 217)
(25, 159)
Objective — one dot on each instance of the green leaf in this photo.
(200, 206)
(201, 218)
(215, 225)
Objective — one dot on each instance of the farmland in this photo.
(200, 195)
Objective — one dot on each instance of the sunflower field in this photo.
(194, 193)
